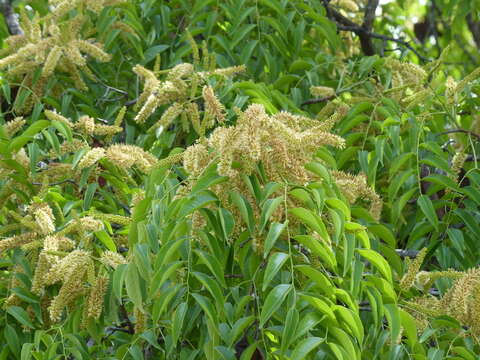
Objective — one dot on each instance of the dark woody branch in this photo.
(364, 31)
(462, 131)
(10, 17)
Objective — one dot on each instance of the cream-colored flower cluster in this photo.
(179, 89)
(322, 91)
(87, 125)
(122, 155)
(54, 42)
(257, 137)
(461, 301)
(126, 156)
(413, 268)
(458, 161)
(12, 127)
(112, 259)
(355, 187)
(347, 5)
(279, 144)
(63, 256)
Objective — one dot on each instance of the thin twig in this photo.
(131, 102)
(70, 181)
(357, 29)
(319, 100)
(403, 253)
(463, 131)
(233, 276)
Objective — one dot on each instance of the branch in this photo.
(404, 43)
(458, 39)
(474, 27)
(10, 18)
(70, 181)
(463, 131)
(470, 157)
(131, 102)
(367, 26)
(403, 253)
(233, 276)
(364, 31)
(319, 100)
(369, 16)
(126, 319)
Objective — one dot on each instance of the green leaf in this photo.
(289, 329)
(442, 180)
(178, 318)
(161, 276)
(63, 129)
(339, 205)
(239, 328)
(274, 300)
(321, 281)
(320, 305)
(136, 352)
(307, 323)
(26, 353)
(240, 34)
(312, 220)
(273, 234)
(11, 337)
(267, 210)
(26, 295)
(305, 346)
(393, 317)
(152, 52)
(378, 261)
(384, 233)
(132, 284)
(162, 302)
(352, 321)
(427, 208)
(118, 279)
(207, 307)
(21, 315)
(106, 240)
(212, 287)
(274, 264)
(214, 265)
(207, 180)
(198, 201)
(17, 143)
(89, 194)
(318, 248)
(245, 210)
(167, 251)
(409, 326)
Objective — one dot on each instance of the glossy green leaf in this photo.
(275, 263)
(273, 301)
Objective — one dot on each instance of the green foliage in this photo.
(153, 207)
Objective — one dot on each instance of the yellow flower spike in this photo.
(413, 268)
(91, 157)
